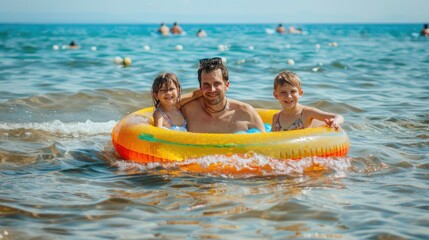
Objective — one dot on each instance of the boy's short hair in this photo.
(287, 78)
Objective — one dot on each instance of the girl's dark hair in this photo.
(161, 79)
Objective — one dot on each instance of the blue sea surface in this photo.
(60, 177)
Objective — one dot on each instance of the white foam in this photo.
(222, 47)
(74, 129)
(241, 61)
(269, 31)
(250, 161)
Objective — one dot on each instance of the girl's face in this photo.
(167, 94)
(288, 95)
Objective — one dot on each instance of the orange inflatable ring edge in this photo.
(135, 138)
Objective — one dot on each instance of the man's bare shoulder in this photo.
(242, 106)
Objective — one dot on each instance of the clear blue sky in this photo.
(214, 11)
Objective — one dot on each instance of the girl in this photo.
(166, 92)
(287, 90)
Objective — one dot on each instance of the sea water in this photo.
(60, 177)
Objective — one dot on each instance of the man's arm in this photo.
(188, 97)
(255, 121)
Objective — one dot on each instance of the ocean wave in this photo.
(58, 128)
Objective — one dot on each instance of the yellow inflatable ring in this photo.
(135, 138)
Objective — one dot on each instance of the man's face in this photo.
(213, 87)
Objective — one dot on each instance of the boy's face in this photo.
(288, 95)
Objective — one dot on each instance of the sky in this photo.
(214, 11)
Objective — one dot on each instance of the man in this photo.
(176, 29)
(214, 112)
(425, 31)
(163, 30)
(280, 29)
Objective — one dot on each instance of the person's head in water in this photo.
(73, 45)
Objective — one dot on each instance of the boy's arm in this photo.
(335, 122)
(273, 122)
(332, 120)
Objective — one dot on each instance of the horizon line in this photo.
(207, 23)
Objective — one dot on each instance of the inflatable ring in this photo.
(135, 138)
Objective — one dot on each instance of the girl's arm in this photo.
(158, 119)
(188, 97)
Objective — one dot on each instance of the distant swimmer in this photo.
(425, 31)
(73, 45)
(294, 30)
(280, 29)
(201, 33)
(176, 29)
(163, 30)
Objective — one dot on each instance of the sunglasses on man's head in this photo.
(210, 61)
